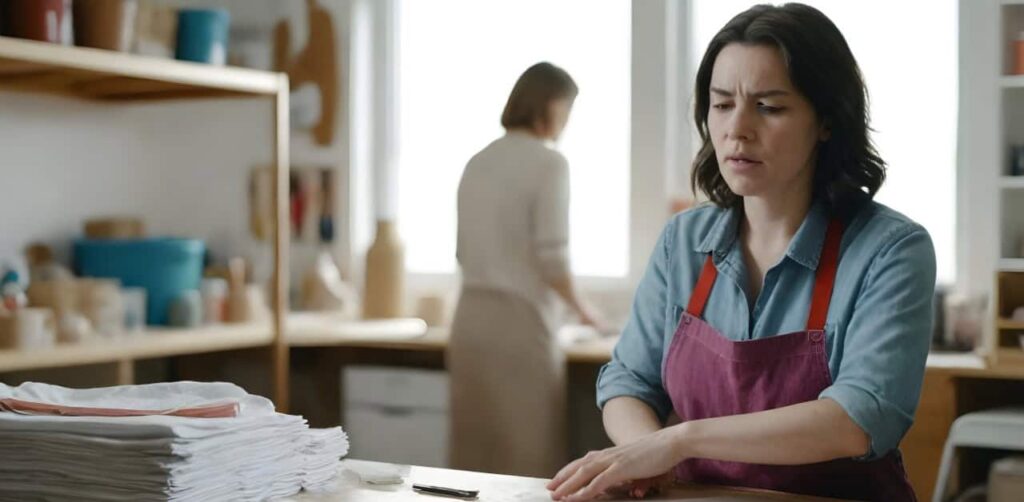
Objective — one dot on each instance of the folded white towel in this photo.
(256, 455)
(156, 396)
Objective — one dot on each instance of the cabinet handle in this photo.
(394, 411)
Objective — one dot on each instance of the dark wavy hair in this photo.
(848, 169)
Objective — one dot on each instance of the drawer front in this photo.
(399, 435)
(402, 387)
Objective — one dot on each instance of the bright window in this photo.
(458, 60)
(911, 73)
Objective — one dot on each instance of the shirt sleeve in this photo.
(887, 341)
(551, 221)
(635, 367)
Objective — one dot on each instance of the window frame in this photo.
(660, 137)
(662, 141)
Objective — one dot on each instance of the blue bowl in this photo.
(165, 267)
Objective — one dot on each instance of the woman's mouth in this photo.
(742, 161)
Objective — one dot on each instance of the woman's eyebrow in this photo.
(761, 94)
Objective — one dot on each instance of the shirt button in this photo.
(816, 336)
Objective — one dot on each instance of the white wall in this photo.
(182, 167)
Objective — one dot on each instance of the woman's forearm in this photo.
(627, 419)
(566, 290)
(804, 433)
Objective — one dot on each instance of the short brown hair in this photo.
(536, 88)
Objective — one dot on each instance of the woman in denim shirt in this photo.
(787, 323)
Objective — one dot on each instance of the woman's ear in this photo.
(542, 127)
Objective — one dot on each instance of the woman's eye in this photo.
(769, 109)
(722, 106)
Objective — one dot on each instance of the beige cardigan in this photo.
(513, 220)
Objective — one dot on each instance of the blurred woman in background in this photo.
(508, 385)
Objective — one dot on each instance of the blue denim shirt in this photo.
(879, 322)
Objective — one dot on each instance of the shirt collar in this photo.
(522, 134)
(805, 248)
(720, 239)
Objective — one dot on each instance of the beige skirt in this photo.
(508, 388)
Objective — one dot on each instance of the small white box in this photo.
(1006, 480)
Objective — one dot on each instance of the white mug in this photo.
(103, 305)
(430, 308)
(134, 302)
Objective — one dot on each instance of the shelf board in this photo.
(1012, 81)
(1012, 182)
(1011, 264)
(973, 365)
(152, 343)
(40, 67)
(313, 329)
(1009, 324)
(1009, 357)
(319, 329)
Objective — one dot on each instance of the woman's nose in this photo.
(740, 127)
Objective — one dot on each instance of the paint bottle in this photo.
(1018, 54)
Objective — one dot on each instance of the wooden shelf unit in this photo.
(39, 67)
(1004, 345)
(93, 74)
(151, 343)
(1002, 341)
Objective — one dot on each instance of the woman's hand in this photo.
(593, 318)
(645, 487)
(589, 477)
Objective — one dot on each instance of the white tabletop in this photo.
(500, 488)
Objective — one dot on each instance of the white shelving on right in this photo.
(1005, 345)
(1011, 170)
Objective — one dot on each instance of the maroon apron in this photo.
(708, 375)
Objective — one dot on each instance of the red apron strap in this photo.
(702, 291)
(825, 277)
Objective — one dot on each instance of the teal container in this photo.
(203, 36)
(165, 267)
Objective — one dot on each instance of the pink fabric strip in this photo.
(224, 409)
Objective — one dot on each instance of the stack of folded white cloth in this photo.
(169, 441)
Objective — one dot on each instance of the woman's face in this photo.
(764, 132)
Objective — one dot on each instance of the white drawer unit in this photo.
(1006, 480)
(397, 415)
